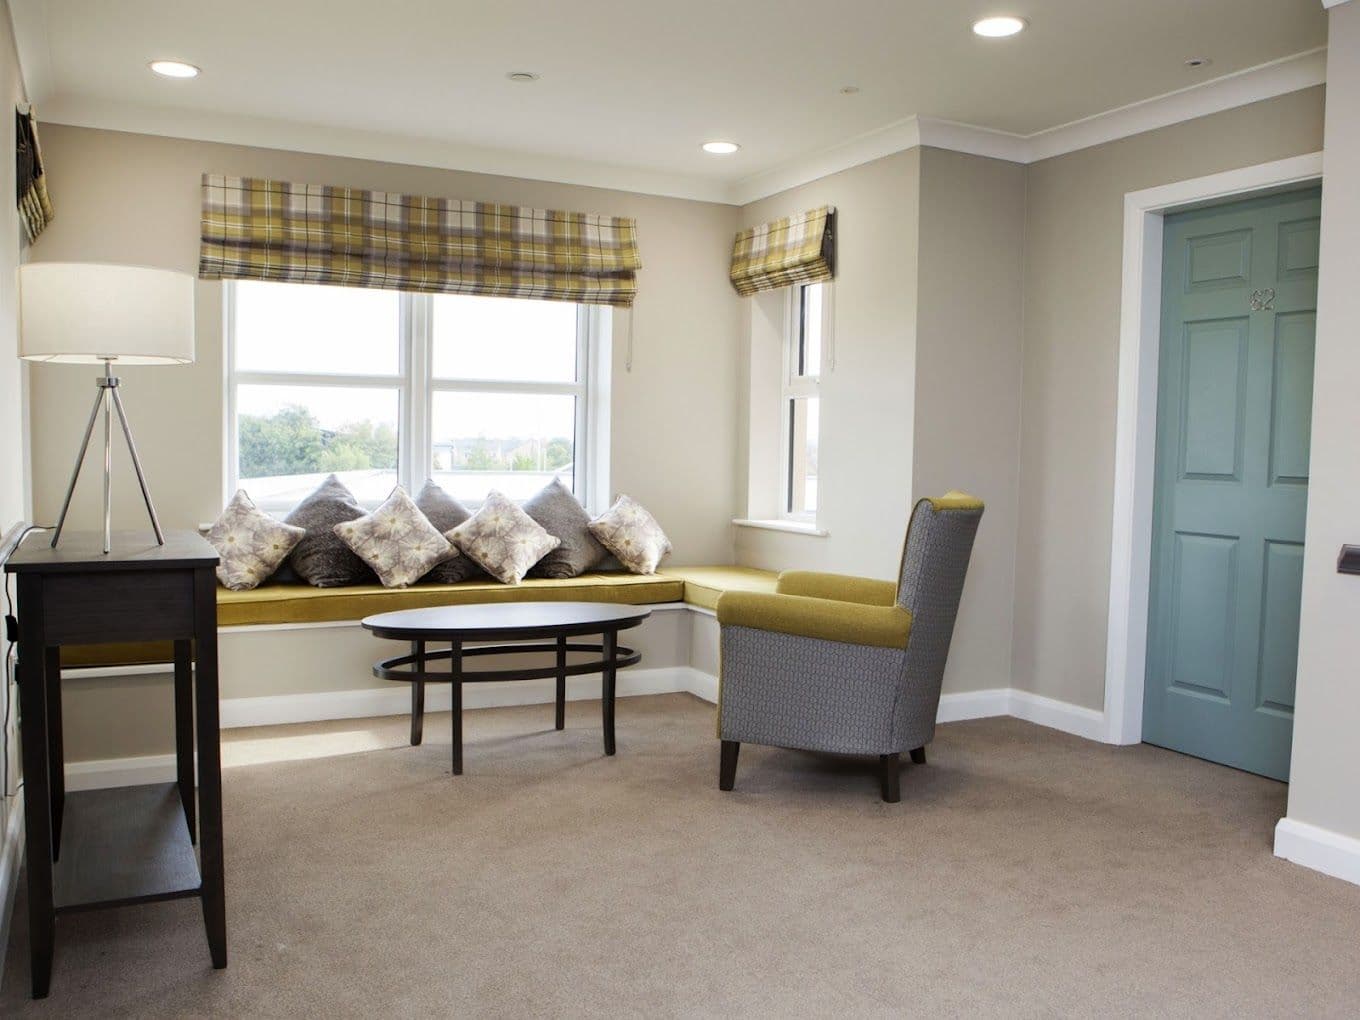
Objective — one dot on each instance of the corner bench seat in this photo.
(275, 604)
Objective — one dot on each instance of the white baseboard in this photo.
(1059, 715)
(973, 705)
(11, 855)
(280, 709)
(105, 773)
(273, 710)
(1319, 849)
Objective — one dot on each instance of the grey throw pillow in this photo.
(446, 513)
(322, 559)
(559, 513)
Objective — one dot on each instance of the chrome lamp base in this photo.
(108, 401)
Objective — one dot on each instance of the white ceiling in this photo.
(628, 87)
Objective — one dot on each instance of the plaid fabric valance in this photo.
(30, 176)
(795, 249)
(260, 229)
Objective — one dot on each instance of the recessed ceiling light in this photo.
(999, 27)
(849, 90)
(721, 148)
(1198, 62)
(523, 76)
(173, 69)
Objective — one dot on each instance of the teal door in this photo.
(1235, 402)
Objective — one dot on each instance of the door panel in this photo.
(1235, 396)
(1202, 645)
(1282, 587)
(1291, 413)
(1212, 398)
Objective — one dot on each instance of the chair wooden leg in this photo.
(889, 765)
(727, 765)
(918, 756)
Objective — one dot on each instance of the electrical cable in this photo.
(10, 679)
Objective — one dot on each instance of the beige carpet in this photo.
(1025, 872)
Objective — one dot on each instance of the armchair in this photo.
(843, 664)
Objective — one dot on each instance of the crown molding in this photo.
(1265, 81)
(865, 148)
(335, 141)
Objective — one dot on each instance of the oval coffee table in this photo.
(535, 627)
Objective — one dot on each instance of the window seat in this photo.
(275, 604)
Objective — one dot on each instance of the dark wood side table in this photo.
(107, 848)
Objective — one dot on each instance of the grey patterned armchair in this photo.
(847, 664)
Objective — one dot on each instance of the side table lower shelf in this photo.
(123, 846)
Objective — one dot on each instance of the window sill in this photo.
(792, 527)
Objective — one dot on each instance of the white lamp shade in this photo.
(83, 312)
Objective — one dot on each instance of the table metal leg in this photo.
(456, 688)
(184, 734)
(611, 647)
(209, 766)
(37, 805)
(56, 757)
(561, 682)
(418, 695)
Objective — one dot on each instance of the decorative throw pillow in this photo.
(566, 520)
(321, 558)
(446, 513)
(503, 539)
(251, 544)
(395, 540)
(628, 531)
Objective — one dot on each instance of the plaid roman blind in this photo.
(259, 229)
(795, 249)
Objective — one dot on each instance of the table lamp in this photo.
(90, 314)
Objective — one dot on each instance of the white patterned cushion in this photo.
(396, 541)
(250, 543)
(503, 539)
(628, 531)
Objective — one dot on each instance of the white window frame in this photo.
(415, 385)
(797, 386)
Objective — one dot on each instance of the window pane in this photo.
(303, 327)
(508, 441)
(290, 437)
(810, 336)
(504, 338)
(804, 413)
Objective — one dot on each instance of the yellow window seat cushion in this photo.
(297, 603)
(300, 603)
(704, 585)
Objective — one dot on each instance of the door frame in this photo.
(1135, 453)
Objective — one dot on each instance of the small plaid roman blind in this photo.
(795, 249)
(259, 229)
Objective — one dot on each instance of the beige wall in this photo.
(1073, 267)
(927, 332)
(13, 499)
(967, 402)
(135, 199)
(13, 491)
(866, 423)
(1324, 788)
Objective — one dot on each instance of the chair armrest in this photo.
(841, 587)
(849, 622)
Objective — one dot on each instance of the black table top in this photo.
(505, 620)
(83, 551)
